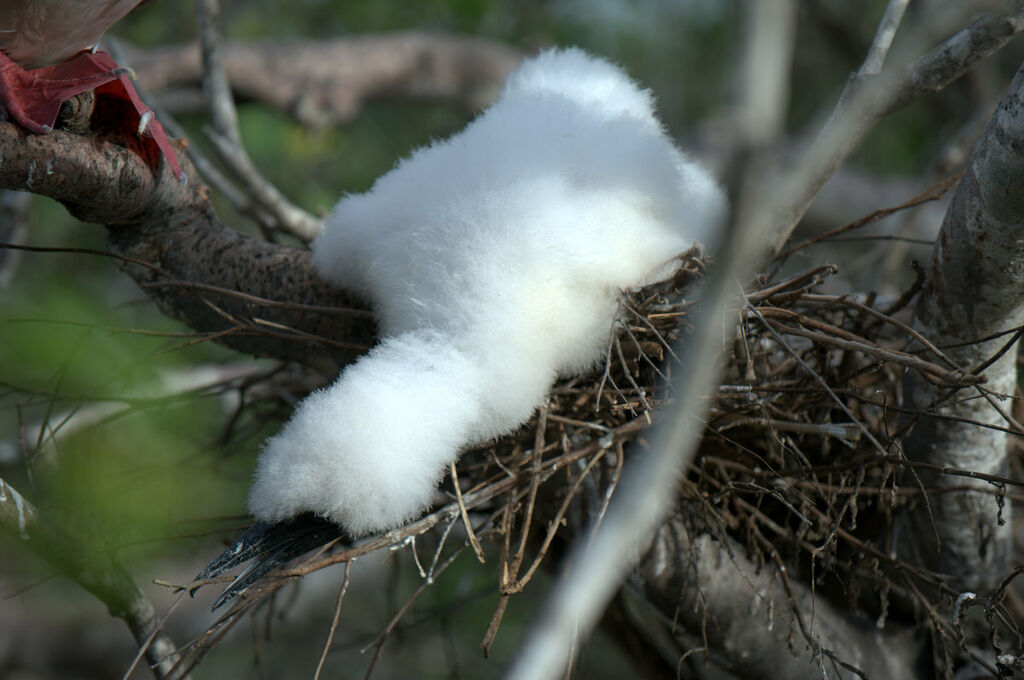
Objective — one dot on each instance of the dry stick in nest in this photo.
(852, 341)
(843, 339)
(859, 466)
(511, 582)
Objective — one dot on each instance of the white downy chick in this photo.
(495, 260)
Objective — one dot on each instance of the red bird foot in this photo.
(33, 98)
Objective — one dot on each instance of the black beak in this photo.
(268, 546)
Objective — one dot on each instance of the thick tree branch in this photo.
(328, 82)
(253, 296)
(975, 288)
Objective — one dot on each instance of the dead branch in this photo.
(883, 37)
(598, 563)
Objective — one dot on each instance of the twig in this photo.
(933, 193)
(883, 37)
(334, 622)
(510, 577)
(215, 81)
(378, 643)
(144, 647)
(246, 297)
(798, 284)
(227, 141)
(847, 433)
(473, 540)
(290, 218)
(948, 378)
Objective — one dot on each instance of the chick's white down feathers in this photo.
(494, 260)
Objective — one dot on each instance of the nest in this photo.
(800, 460)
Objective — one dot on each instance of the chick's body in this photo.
(495, 261)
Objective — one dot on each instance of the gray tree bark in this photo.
(975, 289)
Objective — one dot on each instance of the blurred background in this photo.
(141, 440)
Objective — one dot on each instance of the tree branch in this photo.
(865, 101)
(99, 572)
(250, 295)
(975, 288)
(600, 561)
(227, 140)
(327, 82)
(887, 28)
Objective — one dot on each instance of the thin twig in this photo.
(932, 193)
(883, 37)
(227, 141)
(473, 540)
(334, 622)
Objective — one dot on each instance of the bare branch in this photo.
(764, 90)
(215, 80)
(227, 140)
(598, 563)
(99, 572)
(866, 100)
(883, 37)
(289, 217)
